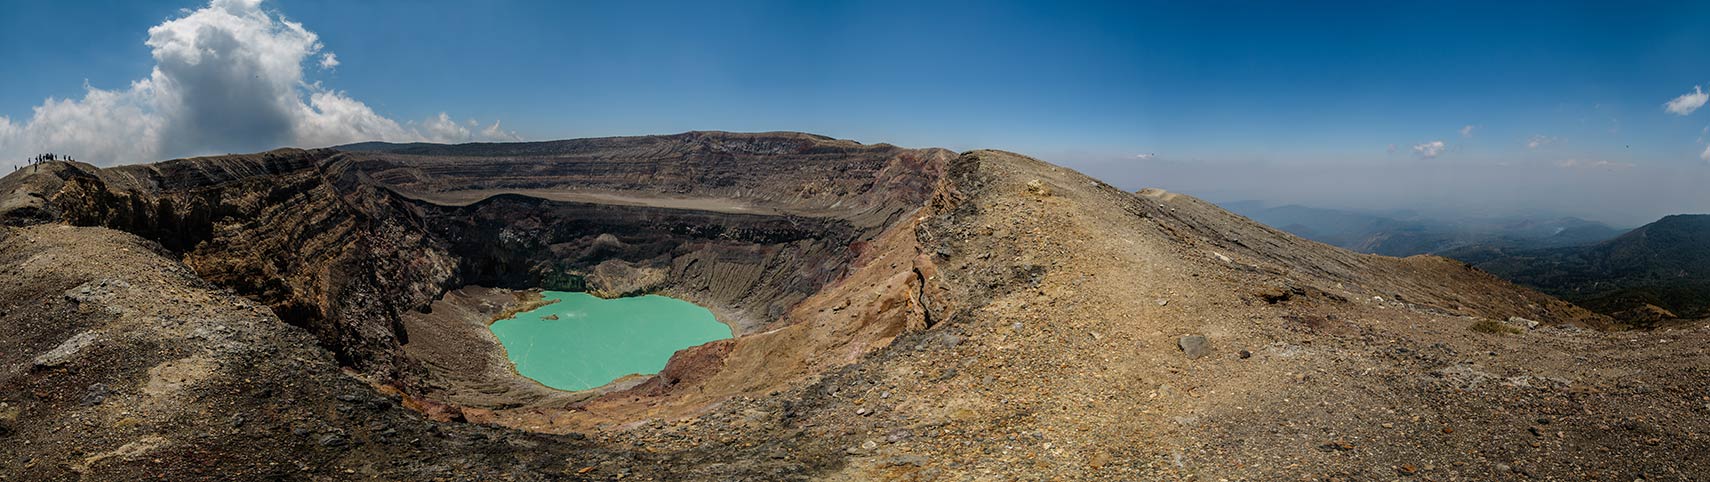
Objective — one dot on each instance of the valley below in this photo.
(894, 314)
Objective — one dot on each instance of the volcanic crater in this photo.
(397, 256)
(897, 314)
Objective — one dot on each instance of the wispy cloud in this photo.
(1687, 102)
(1468, 130)
(1537, 141)
(1579, 164)
(227, 78)
(1146, 157)
(1430, 149)
(1706, 154)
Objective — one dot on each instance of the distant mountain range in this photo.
(1652, 274)
(1406, 233)
(1657, 272)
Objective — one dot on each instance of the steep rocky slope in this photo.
(902, 314)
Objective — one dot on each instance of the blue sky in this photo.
(1561, 98)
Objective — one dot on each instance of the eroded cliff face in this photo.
(293, 229)
(763, 264)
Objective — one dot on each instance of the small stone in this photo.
(1522, 321)
(950, 341)
(862, 412)
(96, 394)
(869, 445)
(1038, 188)
(1246, 354)
(1503, 468)
(1162, 302)
(1535, 431)
(1336, 446)
(333, 440)
(1194, 346)
(910, 460)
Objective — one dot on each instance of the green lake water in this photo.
(595, 341)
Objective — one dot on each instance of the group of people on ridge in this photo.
(44, 158)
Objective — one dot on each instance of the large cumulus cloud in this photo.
(228, 77)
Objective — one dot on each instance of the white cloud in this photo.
(1468, 130)
(227, 78)
(1430, 149)
(1706, 154)
(494, 133)
(1688, 102)
(445, 128)
(1537, 141)
(1578, 164)
(1146, 157)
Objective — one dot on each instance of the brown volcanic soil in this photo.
(975, 317)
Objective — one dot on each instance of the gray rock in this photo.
(97, 393)
(1523, 322)
(910, 460)
(67, 350)
(950, 341)
(1194, 346)
(333, 440)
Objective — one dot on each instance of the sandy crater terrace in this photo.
(907, 314)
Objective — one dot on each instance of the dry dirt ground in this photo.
(1060, 344)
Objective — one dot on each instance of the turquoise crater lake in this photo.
(583, 341)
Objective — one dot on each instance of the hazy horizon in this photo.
(1464, 109)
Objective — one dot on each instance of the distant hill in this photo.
(1406, 233)
(1657, 272)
